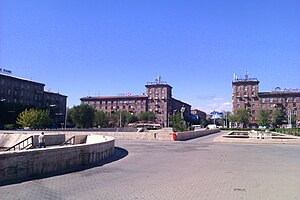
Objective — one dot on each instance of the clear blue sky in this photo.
(89, 47)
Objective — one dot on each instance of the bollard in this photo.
(174, 136)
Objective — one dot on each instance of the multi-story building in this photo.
(158, 99)
(246, 95)
(112, 104)
(199, 113)
(28, 93)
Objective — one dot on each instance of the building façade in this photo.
(28, 93)
(246, 95)
(158, 99)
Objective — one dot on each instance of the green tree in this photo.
(278, 118)
(263, 118)
(242, 116)
(128, 117)
(122, 116)
(34, 118)
(101, 119)
(83, 116)
(178, 123)
(70, 113)
(133, 118)
(114, 119)
(203, 122)
(147, 116)
(231, 117)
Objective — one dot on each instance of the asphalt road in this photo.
(195, 169)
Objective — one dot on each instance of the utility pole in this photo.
(290, 118)
(120, 119)
(66, 115)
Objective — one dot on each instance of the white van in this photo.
(197, 127)
(211, 126)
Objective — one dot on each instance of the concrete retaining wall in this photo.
(8, 139)
(39, 162)
(151, 135)
(194, 134)
(162, 134)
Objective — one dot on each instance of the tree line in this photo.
(265, 118)
(82, 116)
(85, 116)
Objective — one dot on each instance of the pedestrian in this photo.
(42, 140)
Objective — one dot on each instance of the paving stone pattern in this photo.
(195, 169)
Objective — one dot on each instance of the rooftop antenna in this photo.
(234, 77)
(158, 80)
(246, 75)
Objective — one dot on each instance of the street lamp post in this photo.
(225, 117)
(289, 118)
(290, 112)
(66, 118)
(182, 110)
(174, 111)
(120, 116)
(120, 119)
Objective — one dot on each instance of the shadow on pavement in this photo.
(119, 153)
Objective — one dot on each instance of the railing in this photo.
(70, 141)
(24, 144)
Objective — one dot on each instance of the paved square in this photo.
(195, 169)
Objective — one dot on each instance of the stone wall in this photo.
(161, 135)
(151, 135)
(8, 139)
(35, 163)
(194, 134)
